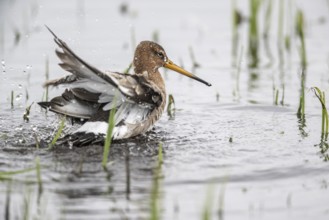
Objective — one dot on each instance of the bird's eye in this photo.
(160, 54)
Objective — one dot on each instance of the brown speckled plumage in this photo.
(140, 97)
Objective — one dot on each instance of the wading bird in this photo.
(138, 99)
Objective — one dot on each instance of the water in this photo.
(255, 159)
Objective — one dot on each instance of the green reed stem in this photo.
(160, 155)
(268, 14)
(128, 68)
(236, 20)
(280, 42)
(108, 139)
(324, 126)
(276, 96)
(12, 98)
(7, 204)
(26, 205)
(206, 213)
(155, 201)
(253, 32)
(300, 25)
(155, 36)
(58, 133)
(238, 71)
(194, 62)
(4, 174)
(281, 18)
(37, 142)
(267, 28)
(171, 106)
(301, 108)
(38, 170)
(27, 96)
(26, 115)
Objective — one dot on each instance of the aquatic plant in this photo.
(5, 175)
(235, 37)
(267, 19)
(287, 39)
(300, 25)
(267, 28)
(155, 36)
(12, 99)
(160, 155)
(127, 165)
(195, 64)
(323, 145)
(7, 204)
(26, 204)
(108, 139)
(26, 115)
(171, 106)
(222, 197)
(236, 92)
(253, 32)
(38, 173)
(280, 42)
(301, 108)
(58, 133)
(321, 97)
(217, 96)
(155, 202)
(128, 68)
(37, 142)
(206, 213)
(26, 95)
(276, 96)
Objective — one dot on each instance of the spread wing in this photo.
(91, 91)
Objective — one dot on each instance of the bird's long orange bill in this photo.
(170, 65)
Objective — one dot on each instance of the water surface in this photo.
(235, 149)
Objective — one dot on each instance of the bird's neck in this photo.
(150, 74)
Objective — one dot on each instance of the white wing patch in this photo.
(128, 116)
(96, 127)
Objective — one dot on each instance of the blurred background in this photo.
(254, 145)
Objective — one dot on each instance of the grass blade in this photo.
(155, 203)
(108, 139)
(58, 134)
(324, 126)
(171, 106)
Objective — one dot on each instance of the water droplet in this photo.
(3, 66)
(19, 97)
(70, 145)
(18, 129)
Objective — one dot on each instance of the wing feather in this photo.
(93, 92)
